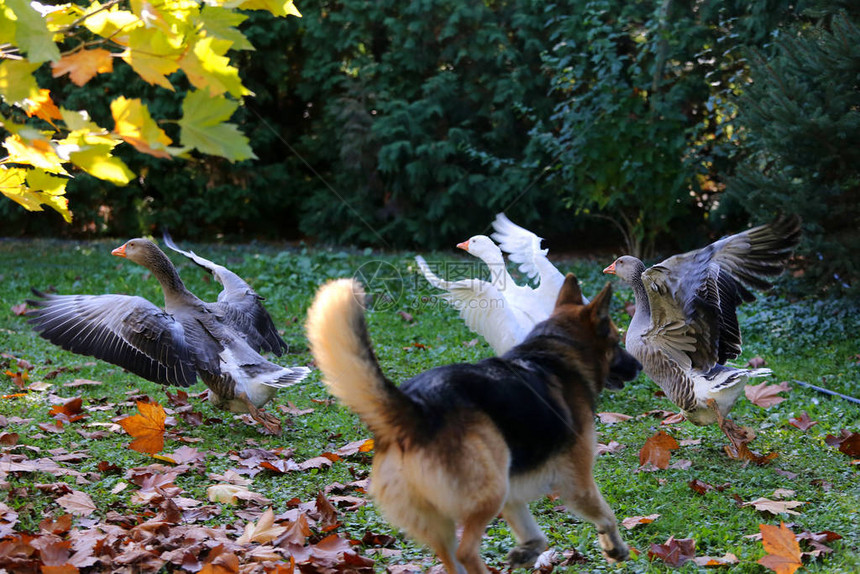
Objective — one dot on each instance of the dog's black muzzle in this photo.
(624, 367)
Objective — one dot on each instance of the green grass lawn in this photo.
(809, 340)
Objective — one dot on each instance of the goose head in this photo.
(483, 248)
(142, 251)
(627, 268)
(146, 253)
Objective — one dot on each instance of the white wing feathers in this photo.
(483, 308)
(521, 245)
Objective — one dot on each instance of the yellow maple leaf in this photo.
(11, 180)
(147, 428)
(36, 152)
(153, 55)
(110, 23)
(83, 65)
(97, 161)
(276, 7)
(136, 127)
(208, 69)
(14, 185)
(60, 17)
(79, 121)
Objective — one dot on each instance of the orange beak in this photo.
(464, 246)
(610, 270)
(119, 251)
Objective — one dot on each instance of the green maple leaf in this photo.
(221, 23)
(203, 127)
(209, 69)
(16, 80)
(32, 34)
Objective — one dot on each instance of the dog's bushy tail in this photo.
(340, 344)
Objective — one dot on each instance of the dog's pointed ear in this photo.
(599, 307)
(570, 292)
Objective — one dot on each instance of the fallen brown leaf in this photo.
(78, 503)
(657, 450)
(632, 522)
(147, 428)
(726, 560)
(674, 552)
(612, 418)
(783, 551)
(68, 412)
(701, 487)
(263, 531)
(220, 561)
(765, 395)
(611, 448)
(847, 442)
(803, 422)
(775, 506)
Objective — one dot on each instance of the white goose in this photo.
(685, 326)
(497, 309)
(524, 248)
(220, 342)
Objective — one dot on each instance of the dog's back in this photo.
(450, 440)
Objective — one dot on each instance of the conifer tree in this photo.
(801, 117)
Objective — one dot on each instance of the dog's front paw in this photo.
(618, 553)
(524, 555)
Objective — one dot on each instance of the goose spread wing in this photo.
(703, 288)
(482, 307)
(127, 331)
(239, 305)
(521, 245)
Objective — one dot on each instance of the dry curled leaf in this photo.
(70, 411)
(220, 561)
(611, 448)
(847, 442)
(263, 531)
(701, 487)
(612, 418)
(674, 552)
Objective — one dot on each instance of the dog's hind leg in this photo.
(474, 525)
(530, 540)
(443, 541)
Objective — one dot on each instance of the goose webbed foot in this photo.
(739, 437)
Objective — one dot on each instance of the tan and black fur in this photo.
(458, 444)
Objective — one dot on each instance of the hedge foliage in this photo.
(410, 124)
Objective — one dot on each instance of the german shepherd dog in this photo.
(459, 444)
